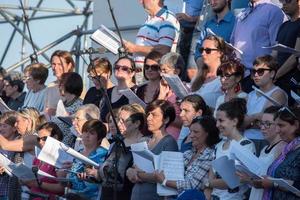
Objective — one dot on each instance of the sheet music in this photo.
(243, 169)
(295, 96)
(3, 107)
(266, 96)
(5, 162)
(132, 97)
(176, 85)
(79, 156)
(227, 43)
(172, 164)
(247, 158)
(106, 39)
(113, 34)
(144, 163)
(284, 49)
(61, 110)
(284, 184)
(53, 153)
(226, 169)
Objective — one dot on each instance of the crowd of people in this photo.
(239, 93)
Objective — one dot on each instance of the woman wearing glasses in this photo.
(124, 71)
(207, 84)
(231, 73)
(263, 73)
(99, 73)
(197, 161)
(270, 152)
(46, 185)
(287, 164)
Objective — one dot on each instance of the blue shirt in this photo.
(86, 189)
(256, 27)
(223, 28)
(192, 8)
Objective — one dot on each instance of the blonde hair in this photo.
(33, 115)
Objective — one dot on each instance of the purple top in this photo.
(256, 27)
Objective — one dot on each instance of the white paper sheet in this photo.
(61, 110)
(143, 157)
(284, 184)
(79, 156)
(284, 49)
(5, 162)
(295, 96)
(247, 158)
(3, 107)
(132, 97)
(104, 37)
(226, 169)
(172, 164)
(53, 153)
(176, 85)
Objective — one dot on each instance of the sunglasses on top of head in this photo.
(259, 72)
(207, 50)
(154, 67)
(123, 68)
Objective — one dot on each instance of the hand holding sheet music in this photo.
(107, 38)
(176, 85)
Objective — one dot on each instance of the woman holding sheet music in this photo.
(160, 114)
(197, 161)
(287, 165)
(270, 152)
(230, 117)
(93, 131)
(46, 185)
(26, 123)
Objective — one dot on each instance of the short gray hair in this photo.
(174, 60)
(90, 111)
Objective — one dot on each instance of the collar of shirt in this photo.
(227, 18)
(161, 11)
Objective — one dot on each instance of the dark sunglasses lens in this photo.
(152, 67)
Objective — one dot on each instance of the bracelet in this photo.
(164, 183)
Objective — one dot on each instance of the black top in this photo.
(121, 102)
(93, 96)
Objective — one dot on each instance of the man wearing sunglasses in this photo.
(256, 27)
(160, 32)
(221, 24)
(289, 35)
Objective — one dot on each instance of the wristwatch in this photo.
(207, 184)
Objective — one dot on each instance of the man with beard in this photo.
(222, 25)
(160, 32)
(256, 27)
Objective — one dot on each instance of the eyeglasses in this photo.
(259, 72)
(26, 78)
(154, 67)
(42, 138)
(226, 76)
(265, 124)
(207, 50)
(123, 68)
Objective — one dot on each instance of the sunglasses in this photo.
(226, 76)
(154, 67)
(42, 138)
(265, 124)
(123, 68)
(259, 72)
(207, 50)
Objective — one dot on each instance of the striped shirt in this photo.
(161, 29)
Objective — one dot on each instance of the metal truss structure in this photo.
(13, 14)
